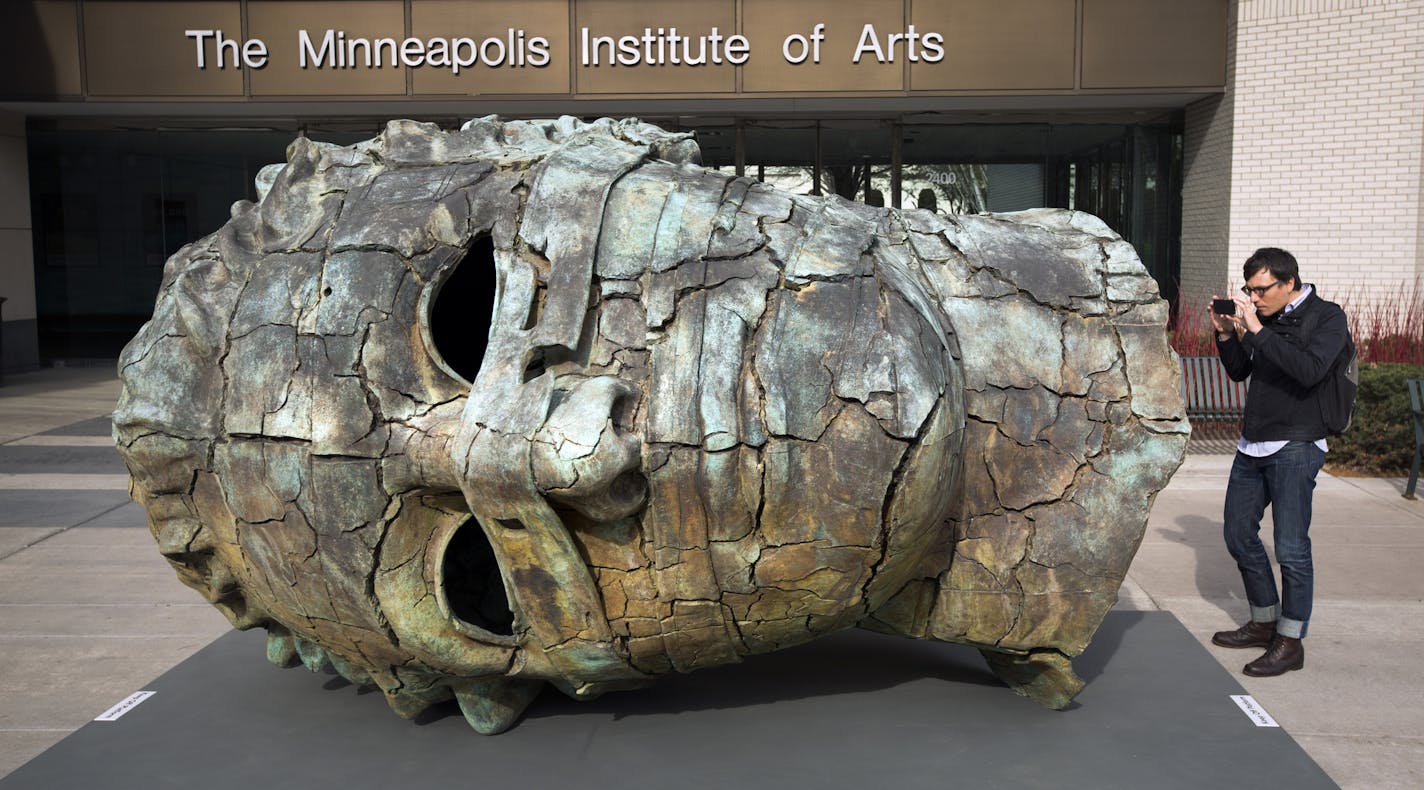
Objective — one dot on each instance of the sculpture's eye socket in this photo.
(460, 314)
(471, 584)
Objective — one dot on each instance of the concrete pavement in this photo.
(1356, 706)
(89, 612)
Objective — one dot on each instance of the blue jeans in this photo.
(1284, 480)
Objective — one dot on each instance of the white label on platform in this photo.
(129, 703)
(1248, 706)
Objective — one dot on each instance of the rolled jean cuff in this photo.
(1265, 614)
(1295, 629)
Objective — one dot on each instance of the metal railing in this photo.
(1210, 394)
(1416, 405)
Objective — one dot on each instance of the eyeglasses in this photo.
(1259, 290)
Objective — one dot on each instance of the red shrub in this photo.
(1191, 330)
(1387, 324)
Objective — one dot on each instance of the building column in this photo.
(1207, 144)
(18, 334)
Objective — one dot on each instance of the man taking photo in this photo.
(1286, 339)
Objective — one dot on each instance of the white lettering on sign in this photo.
(928, 47)
(1248, 706)
(515, 49)
(334, 49)
(665, 46)
(125, 705)
(252, 54)
(804, 47)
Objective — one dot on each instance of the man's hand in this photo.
(1246, 316)
(1223, 323)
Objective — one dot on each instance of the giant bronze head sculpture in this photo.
(464, 413)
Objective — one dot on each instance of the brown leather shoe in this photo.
(1284, 655)
(1253, 634)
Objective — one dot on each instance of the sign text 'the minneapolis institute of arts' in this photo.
(136, 50)
(516, 48)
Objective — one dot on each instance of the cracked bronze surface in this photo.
(711, 419)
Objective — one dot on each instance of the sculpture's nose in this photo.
(582, 457)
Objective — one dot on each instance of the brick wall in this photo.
(1206, 189)
(1327, 140)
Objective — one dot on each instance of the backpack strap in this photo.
(1310, 320)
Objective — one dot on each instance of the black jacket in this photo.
(1286, 368)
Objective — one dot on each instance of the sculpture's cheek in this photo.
(802, 454)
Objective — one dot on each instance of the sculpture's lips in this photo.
(471, 586)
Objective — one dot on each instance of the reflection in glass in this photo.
(110, 205)
(796, 180)
(855, 161)
(782, 154)
(717, 142)
(945, 188)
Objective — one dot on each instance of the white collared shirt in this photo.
(1263, 449)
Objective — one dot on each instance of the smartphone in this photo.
(1223, 307)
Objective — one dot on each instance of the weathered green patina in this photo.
(711, 420)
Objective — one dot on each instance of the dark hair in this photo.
(1281, 264)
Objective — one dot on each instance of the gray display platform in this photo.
(18, 459)
(94, 426)
(853, 710)
(43, 507)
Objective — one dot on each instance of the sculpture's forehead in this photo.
(606, 226)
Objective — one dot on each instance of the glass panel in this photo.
(855, 160)
(983, 143)
(782, 154)
(796, 180)
(67, 229)
(945, 188)
(111, 206)
(972, 168)
(1128, 175)
(1156, 204)
(1090, 172)
(718, 144)
(1015, 187)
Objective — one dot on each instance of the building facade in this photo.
(1199, 129)
(1315, 145)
